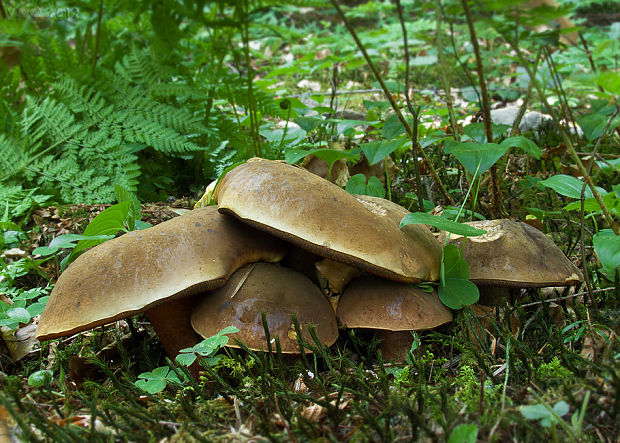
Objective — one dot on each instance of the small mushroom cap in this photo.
(515, 254)
(334, 276)
(317, 215)
(193, 253)
(370, 302)
(279, 293)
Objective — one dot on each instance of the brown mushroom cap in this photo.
(278, 292)
(317, 215)
(515, 254)
(374, 303)
(334, 276)
(193, 253)
(423, 237)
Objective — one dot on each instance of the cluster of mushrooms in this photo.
(283, 241)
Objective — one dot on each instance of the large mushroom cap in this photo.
(189, 254)
(381, 304)
(278, 292)
(429, 247)
(515, 254)
(317, 215)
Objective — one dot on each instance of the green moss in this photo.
(553, 372)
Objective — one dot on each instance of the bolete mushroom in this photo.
(393, 309)
(310, 212)
(277, 292)
(513, 255)
(143, 270)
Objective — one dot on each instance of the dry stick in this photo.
(395, 107)
(496, 193)
(414, 112)
(567, 141)
(566, 297)
(444, 77)
(97, 37)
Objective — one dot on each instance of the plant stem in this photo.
(496, 193)
(388, 95)
(97, 37)
(443, 72)
(414, 112)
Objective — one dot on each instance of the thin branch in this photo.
(566, 297)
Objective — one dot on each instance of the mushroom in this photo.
(334, 276)
(513, 255)
(151, 270)
(277, 292)
(393, 309)
(310, 212)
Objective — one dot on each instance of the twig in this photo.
(565, 297)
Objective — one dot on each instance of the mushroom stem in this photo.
(394, 345)
(171, 321)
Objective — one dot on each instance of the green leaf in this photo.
(123, 195)
(392, 127)
(591, 205)
(457, 293)
(67, 241)
(593, 125)
(206, 348)
(441, 223)
(156, 380)
(455, 290)
(37, 307)
(475, 131)
(540, 412)
(309, 123)
(464, 433)
(151, 386)
(293, 155)
(18, 315)
(428, 205)
(376, 151)
(454, 266)
(525, 144)
(610, 81)
(475, 156)
(186, 358)
(607, 247)
(109, 222)
(610, 165)
(568, 186)
(360, 184)
(40, 378)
